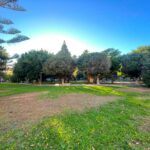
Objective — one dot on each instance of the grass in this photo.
(112, 126)
(55, 92)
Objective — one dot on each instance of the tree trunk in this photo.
(112, 80)
(140, 78)
(62, 81)
(97, 80)
(90, 79)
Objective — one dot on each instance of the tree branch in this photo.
(11, 4)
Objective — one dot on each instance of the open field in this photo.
(75, 117)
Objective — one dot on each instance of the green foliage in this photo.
(142, 49)
(11, 4)
(145, 52)
(29, 65)
(146, 69)
(98, 64)
(114, 55)
(3, 58)
(132, 65)
(18, 38)
(83, 61)
(60, 65)
(112, 52)
(94, 64)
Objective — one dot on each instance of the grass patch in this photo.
(55, 92)
(112, 126)
(141, 102)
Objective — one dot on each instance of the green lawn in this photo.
(54, 91)
(116, 125)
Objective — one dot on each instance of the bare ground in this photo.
(137, 89)
(145, 126)
(26, 107)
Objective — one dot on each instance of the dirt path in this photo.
(27, 107)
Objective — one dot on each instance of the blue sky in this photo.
(84, 24)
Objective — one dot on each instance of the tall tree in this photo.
(11, 4)
(114, 55)
(29, 66)
(61, 65)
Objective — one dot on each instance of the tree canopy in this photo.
(3, 58)
(132, 65)
(98, 64)
(142, 49)
(146, 69)
(60, 65)
(3, 61)
(114, 55)
(29, 66)
(94, 65)
(82, 61)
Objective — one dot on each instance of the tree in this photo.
(146, 69)
(3, 60)
(132, 65)
(142, 50)
(61, 65)
(99, 64)
(29, 66)
(114, 55)
(94, 65)
(82, 63)
(11, 4)
(83, 60)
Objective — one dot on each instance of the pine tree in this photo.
(11, 4)
(60, 65)
(64, 52)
